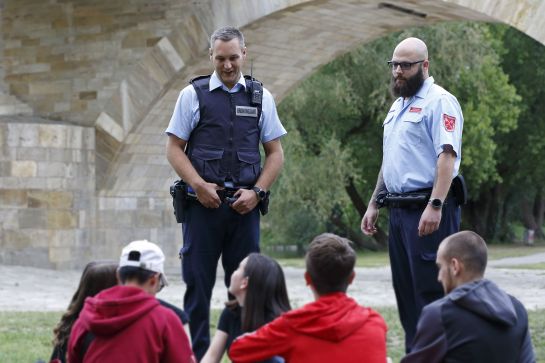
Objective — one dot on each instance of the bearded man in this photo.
(421, 157)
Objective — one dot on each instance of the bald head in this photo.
(469, 248)
(411, 49)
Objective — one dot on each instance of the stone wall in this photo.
(47, 188)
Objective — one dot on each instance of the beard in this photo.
(409, 87)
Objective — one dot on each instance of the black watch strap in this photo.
(261, 194)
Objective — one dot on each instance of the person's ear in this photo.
(244, 53)
(210, 52)
(244, 283)
(456, 266)
(308, 280)
(351, 277)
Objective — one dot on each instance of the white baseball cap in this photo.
(146, 255)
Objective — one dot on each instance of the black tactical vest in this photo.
(224, 146)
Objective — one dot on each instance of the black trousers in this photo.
(412, 260)
(209, 234)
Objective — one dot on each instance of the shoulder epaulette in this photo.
(198, 78)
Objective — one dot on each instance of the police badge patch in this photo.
(449, 122)
(246, 111)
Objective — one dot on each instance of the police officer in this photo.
(213, 145)
(421, 153)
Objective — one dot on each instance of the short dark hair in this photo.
(226, 34)
(132, 273)
(470, 249)
(330, 261)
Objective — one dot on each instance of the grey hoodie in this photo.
(475, 323)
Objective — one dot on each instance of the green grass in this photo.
(380, 258)
(496, 252)
(533, 266)
(26, 336)
(365, 259)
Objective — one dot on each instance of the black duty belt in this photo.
(416, 199)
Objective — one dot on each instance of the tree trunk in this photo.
(539, 213)
(380, 236)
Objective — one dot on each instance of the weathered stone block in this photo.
(23, 169)
(148, 219)
(52, 136)
(8, 219)
(50, 199)
(32, 218)
(13, 198)
(58, 219)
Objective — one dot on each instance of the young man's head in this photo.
(227, 53)
(330, 264)
(461, 258)
(142, 264)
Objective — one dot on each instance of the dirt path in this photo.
(32, 289)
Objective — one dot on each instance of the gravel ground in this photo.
(33, 289)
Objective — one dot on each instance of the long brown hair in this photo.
(96, 276)
(266, 295)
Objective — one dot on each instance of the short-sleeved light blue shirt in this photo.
(186, 113)
(415, 132)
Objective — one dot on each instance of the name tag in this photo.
(246, 111)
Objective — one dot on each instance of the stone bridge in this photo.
(87, 88)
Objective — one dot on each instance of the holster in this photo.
(459, 189)
(264, 205)
(178, 191)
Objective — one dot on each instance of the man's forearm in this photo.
(443, 174)
(379, 187)
(274, 160)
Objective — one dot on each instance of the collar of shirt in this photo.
(215, 82)
(423, 91)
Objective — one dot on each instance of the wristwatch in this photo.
(261, 194)
(436, 203)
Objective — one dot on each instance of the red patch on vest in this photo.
(449, 122)
(415, 109)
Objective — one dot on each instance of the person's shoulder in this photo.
(436, 92)
(164, 314)
(434, 308)
(200, 79)
(518, 305)
(182, 315)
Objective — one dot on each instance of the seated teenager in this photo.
(333, 328)
(96, 276)
(260, 291)
(126, 323)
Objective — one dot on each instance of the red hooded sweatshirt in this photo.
(332, 329)
(129, 326)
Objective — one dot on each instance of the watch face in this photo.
(436, 203)
(261, 194)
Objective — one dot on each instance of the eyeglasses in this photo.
(161, 283)
(405, 66)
